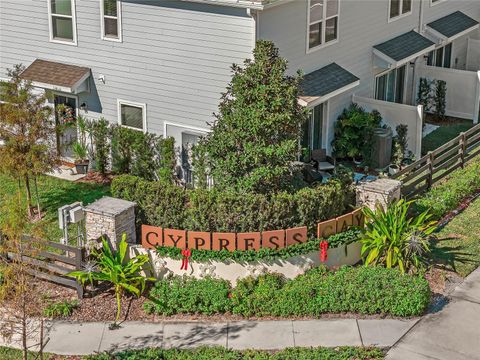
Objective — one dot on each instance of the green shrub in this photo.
(362, 290)
(100, 135)
(60, 309)
(166, 205)
(447, 195)
(221, 353)
(188, 295)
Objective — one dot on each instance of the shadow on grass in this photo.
(445, 257)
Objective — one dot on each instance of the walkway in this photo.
(452, 333)
(70, 338)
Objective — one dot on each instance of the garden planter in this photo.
(81, 167)
(393, 169)
(232, 270)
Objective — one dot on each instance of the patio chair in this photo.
(319, 156)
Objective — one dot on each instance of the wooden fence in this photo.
(431, 168)
(52, 266)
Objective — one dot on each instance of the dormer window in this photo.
(322, 22)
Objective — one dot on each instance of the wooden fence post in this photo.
(430, 169)
(462, 148)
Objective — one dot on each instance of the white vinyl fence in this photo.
(394, 114)
(463, 90)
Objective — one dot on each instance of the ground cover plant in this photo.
(54, 193)
(60, 309)
(449, 193)
(217, 353)
(165, 205)
(362, 290)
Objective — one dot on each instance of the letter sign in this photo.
(273, 239)
(296, 235)
(326, 228)
(175, 238)
(223, 241)
(199, 240)
(248, 241)
(152, 236)
(358, 218)
(344, 222)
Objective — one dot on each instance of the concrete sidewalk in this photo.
(71, 338)
(452, 333)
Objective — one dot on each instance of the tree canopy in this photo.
(255, 137)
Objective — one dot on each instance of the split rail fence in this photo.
(53, 266)
(431, 168)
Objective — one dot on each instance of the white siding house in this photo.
(161, 65)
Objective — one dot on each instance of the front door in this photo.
(65, 119)
(313, 129)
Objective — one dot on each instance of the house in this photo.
(161, 65)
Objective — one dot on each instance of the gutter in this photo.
(248, 4)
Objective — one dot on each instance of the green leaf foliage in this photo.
(169, 206)
(362, 290)
(265, 254)
(393, 238)
(256, 133)
(60, 309)
(448, 194)
(221, 353)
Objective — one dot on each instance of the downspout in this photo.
(414, 71)
(254, 15)
(420, 18)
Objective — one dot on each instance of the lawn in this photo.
(446, 132)
(55, 193)
(459, 241)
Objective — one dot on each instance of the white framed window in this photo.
(62, 21)
(111, 19)
(132, 115)
(435, 2)
(399, 8)
(390, 86)
(322, 27)
(441, 57)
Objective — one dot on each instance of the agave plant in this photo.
(392, 238)
(113, 266)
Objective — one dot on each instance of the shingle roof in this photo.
(325, 81)
(405, 45)
(54, 73)
(453, 24)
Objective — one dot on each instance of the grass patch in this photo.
(443, 134)
(217, 353)
(55, 193)
(458, 247)
(7, 353)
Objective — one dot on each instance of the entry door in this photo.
(313, 129)
(65, 119)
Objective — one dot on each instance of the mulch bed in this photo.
(94, 177)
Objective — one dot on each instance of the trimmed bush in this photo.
(447, 195)
(217, 353)
(166, 205)
(188, 295)
(361, 290)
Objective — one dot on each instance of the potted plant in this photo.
(80, 154)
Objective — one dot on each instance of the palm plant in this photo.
(125, 274)
(393, 238)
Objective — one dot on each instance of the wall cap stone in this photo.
(109, 206)
(381, 186)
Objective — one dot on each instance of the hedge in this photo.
(447, 195)
(221, 353)
(362, 290)
(170, 206)
(341, 239)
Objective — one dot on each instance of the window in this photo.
(441, 57)
(391, 86)
(400, 7)
(132, 115)
(313, 129)
(322, 22)
(111, 22)
(62, 21)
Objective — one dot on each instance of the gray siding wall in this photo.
(362, 24)
(175, 56)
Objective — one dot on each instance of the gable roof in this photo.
(453, 24)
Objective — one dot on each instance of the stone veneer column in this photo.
(380, 191)
(110, 217)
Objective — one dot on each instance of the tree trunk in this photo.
(38, 197)
(24, 328)
(29, 195)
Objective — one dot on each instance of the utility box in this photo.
(381, 148)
